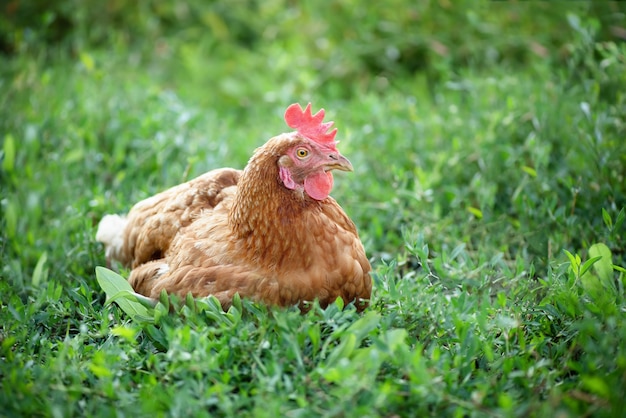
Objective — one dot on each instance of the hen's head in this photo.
(310, 153)
(301, 161)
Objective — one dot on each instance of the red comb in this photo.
(309, 125)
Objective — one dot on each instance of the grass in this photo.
(489, 195)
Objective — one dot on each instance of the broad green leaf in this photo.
(143, 300)
(119, 290)
(597, 292)
(111, 282)
(136, 305)
(604, 267)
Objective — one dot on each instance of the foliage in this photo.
(489, 191)
(340, 48)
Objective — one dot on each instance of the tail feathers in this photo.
(111, 234)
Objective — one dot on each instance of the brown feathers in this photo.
(245, 232)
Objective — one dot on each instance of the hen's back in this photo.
(147, 231)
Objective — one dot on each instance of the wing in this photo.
(201, 261)
(152, 224)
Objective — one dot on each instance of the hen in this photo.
(270, 233)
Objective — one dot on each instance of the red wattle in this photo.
(319, 185)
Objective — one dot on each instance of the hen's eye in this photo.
(302, 152)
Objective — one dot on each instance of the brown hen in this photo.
(270, 232)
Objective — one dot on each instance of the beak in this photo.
(337, 161)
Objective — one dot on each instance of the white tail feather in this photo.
(111, 234)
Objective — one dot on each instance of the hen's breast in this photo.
(333, 263)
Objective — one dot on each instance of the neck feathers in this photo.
(267, 219)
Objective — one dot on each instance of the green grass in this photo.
(489, 190)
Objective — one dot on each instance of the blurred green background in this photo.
(232, 51)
